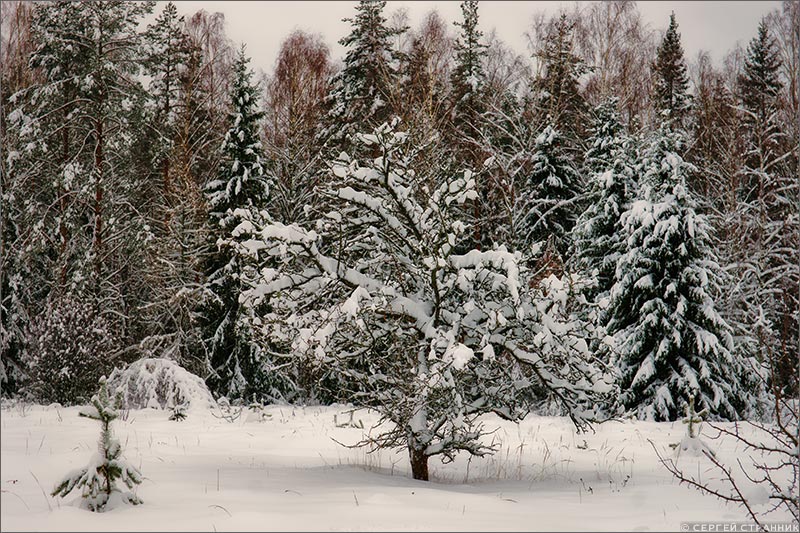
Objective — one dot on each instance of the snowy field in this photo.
(287, 473)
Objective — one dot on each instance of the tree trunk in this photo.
(419, 463)
(98, 197)
(62, 203)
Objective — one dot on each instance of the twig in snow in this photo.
(42, 489)
(221, 507)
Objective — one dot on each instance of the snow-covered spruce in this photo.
(360, 92)
(669, 342)
(546, 208)
(670, 93)
(98, 479)
(428, 337)
(234, 360)
(159, 384)
(599, 236)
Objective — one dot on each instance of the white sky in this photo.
(714, 26)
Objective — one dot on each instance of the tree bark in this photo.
(419, 463)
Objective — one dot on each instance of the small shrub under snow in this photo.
(159, 384)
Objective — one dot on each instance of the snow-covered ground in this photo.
(288, 473)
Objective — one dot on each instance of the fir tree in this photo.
(546, 206)
(599, 237)
(241, 189)
(361, 93)
(671, 80)
(670, 342)
(559, 85)
(769, 266)
(468, 79)
(98, 479)
(759, 87)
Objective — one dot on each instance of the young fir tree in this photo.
(361, 93)
(671, 80)
(546, 204)
(598, 237)
(98, 480)
(670, 342)
(242, 187)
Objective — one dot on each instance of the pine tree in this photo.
(598, 237)
(361, 93)
(98, 479)
(467, 128)
(546, 204)
(670, 342)
(15, 75)
(759, 87)
(425, 78)
(671, 80)
(84, 188)
(241, 190)
(168, 54)
(176, 216)
(716, 142)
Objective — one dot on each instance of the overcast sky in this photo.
(712, 26)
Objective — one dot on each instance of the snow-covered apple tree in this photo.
(429, 335)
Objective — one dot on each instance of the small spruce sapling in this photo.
(98, 479)
(258, 411)
(178, 413)
(691, 442)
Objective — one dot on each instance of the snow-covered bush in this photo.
(429, 335)
(98, 479)
(69, 347)
(159, 384)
